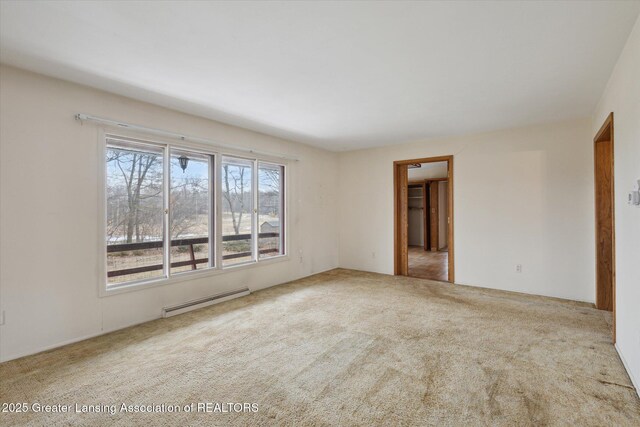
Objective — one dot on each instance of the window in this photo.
(135, 219)
(191, 207)
(237, 211)
(270, 210)
(161, 217)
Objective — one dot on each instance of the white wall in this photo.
(521, 196)
(49, 214)
(622, 96)
(428, 170)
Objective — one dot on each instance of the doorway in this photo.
(605, 219)
(423, 217)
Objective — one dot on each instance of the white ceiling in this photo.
(428, 170)
(336, 75)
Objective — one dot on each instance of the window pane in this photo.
(270, 218)
(134, 212)
(190, 208)
(237, 208)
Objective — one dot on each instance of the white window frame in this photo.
(254, 207)
(283, 202)
(213, 241)
(104, 289)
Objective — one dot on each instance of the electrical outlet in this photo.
(373, 255)
(2, 318)
(518, 268)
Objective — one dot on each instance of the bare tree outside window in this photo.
(160, 216)
(234, 193)
(190, 206)
(237, 207)
(134, 208)
(270, 209)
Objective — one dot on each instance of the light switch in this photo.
(634, 196)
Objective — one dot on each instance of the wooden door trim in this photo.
(606, 127)
(400, 240)
(400, 259)
(606, 134)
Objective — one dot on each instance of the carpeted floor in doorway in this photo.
(345, 348)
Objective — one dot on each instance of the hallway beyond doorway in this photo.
(428, 265)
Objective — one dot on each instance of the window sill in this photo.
(182, 277)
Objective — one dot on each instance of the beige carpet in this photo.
(346, 348)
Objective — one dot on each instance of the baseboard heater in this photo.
(203, 302)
